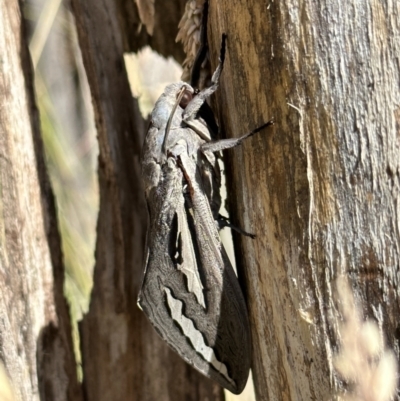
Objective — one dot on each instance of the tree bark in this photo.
(35, 332)
(321, 188)
(123, 357)
(134, 36)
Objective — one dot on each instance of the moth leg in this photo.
(193, 107)
(223, 222)
(222, 144)
(200, 129)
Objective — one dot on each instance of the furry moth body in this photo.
(189, 291)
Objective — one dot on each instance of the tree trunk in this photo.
(321, 188)
(35, 331)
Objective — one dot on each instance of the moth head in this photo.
(165, 103)
(172, 91)
(183, 98)
(188, 94)
(186, 97)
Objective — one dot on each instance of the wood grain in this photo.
(35, 331)
(321, 189)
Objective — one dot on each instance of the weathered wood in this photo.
(321, 189)
(166, 19)
(35, 332)
(123, 357)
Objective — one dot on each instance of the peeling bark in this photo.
(166, 19)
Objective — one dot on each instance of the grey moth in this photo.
(190, 292)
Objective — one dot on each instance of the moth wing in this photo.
(190, 292)
(149, 158)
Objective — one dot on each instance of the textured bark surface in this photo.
(321, 189)
(123, 357)
(35, 333)
(166, 20)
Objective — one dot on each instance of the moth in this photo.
(190, 292)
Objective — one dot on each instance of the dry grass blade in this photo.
(42, 30)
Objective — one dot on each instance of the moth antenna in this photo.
(171, 116)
